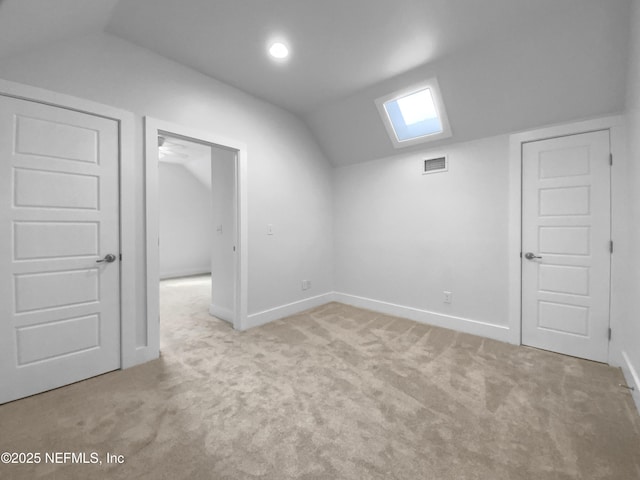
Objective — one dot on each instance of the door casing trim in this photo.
(129, 354)
(615, 125)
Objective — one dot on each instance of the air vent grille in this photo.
(435, 165)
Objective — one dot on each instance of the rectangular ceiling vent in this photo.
(435, 165)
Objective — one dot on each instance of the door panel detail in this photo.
(54, 140)
(564, 240)
(46, 189)
(69, 337)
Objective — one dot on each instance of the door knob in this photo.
(109, 258)
(530, 256)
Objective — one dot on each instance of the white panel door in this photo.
(566, 237)
(59, 215)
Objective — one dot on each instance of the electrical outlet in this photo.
(448, 297)
(306, 284)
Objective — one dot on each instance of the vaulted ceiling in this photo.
(503, 65)
(338, 46)
(26, 24)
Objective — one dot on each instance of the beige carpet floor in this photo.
(332, 393)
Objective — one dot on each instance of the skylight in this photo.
(417, 107)
(414, 115)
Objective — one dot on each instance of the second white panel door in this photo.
(566, 245)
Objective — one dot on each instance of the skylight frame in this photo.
(434, 88)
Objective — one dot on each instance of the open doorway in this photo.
(196, 224)
(185, 207)
(186, 234)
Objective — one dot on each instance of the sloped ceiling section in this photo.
(571, 66)
(192, 156)
(502, 65)
(26, 24)
(338, 47)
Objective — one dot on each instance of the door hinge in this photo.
(120, 257)
(611, 159)
(609, 333)
(520, 254)
(610, 246)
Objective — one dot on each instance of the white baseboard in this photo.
(184, 273)
(221, 313)
(632, 378)
(266, 316)
(466, 325)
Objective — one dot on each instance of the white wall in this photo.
(629, 335)
(289, 180)
(186, 228)
(403, 238)
(224, 237)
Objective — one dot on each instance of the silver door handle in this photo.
(109, 258)
(530, 256)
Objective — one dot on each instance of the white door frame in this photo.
(615, 125)
(129, 353)
(152, 128)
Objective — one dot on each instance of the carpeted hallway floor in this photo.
(332, 393)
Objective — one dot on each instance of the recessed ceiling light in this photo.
(279, 50)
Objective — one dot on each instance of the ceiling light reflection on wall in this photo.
(279, 51)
